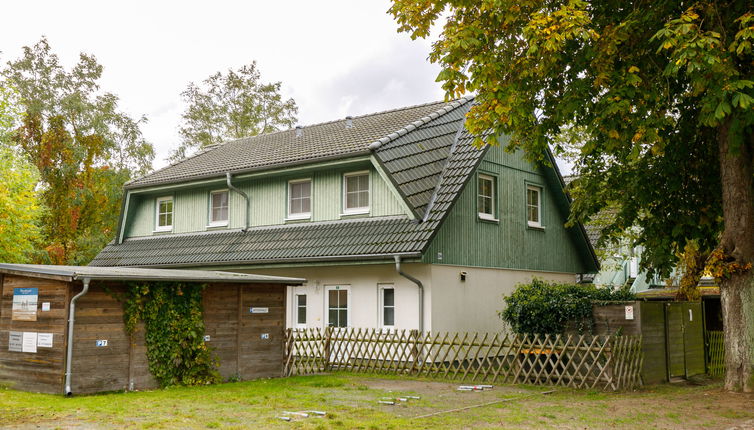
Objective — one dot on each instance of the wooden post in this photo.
(326, 348)
(415, 355)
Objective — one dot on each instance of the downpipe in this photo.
(418, 284)
(69, 349)
(243, 194)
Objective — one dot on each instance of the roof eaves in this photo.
(221, 175)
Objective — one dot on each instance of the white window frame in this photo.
(359, 210)
(296, 307)
(381, 306)
(221, 223)
(484, 215)
(302, 215)
(329, 288)
(538, 222)
(157, 226)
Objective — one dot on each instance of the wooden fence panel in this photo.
(581, 361)
(715, 349)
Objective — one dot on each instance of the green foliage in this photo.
(82, 145)
(643, 87)
(232, 106)
(19, 208)
(542, 307)
(174, 332)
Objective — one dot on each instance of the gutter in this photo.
(418, 284)
(69, 349)
(244, 195)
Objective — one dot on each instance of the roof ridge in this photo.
(336, 120)
(420, 122)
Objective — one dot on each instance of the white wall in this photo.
(449, 303)
(473, 305)
(362, 282)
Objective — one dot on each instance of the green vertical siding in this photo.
(268, 202)
(191, 210)
(466, 240)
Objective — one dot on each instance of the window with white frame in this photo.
(300, 199)
(337, 306)
(164, 214)
(218, 208)
(387, 306)
(356, 192)
(486, 197)
(300, 306)
(534, 206)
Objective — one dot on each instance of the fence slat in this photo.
(609, 362)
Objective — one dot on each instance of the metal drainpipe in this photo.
(69, 351)
(246, 197)
(418, 284)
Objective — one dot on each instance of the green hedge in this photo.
(541, 307)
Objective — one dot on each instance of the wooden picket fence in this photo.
(715, 351)
(581, 361)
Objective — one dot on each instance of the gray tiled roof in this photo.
(429, 164)
(319, 141)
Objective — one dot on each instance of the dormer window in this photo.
(218, 208)
(164, 214)
(356, 193)
(300, 199)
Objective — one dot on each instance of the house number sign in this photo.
(260, 310)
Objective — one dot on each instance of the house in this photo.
(395, 219)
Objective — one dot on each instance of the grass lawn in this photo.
(351, 402)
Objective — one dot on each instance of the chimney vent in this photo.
(349, 121)
(299, 131)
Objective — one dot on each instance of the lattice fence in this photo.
(715, 351)
(605, 362)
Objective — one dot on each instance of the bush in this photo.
(541, 307)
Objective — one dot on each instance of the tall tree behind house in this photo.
(83, 146)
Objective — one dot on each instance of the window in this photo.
(356, 193)
(300, 199)
(337, 307)
(300, 304)
(164, 214)
(218, 208)
(533, 206)
(486, 197)
(387, 306)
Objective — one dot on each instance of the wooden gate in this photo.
(685, 339)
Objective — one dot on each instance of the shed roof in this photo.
(74, 273)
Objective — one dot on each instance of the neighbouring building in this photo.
(395, 219)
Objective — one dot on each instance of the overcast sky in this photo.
(334, 57)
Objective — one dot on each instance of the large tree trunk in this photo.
(737, 291)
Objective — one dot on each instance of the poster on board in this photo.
(15, 341)
(24, 304)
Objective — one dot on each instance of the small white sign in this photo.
(260, 310)
(45, 306)
(265, 336)
(29, 342)
(15, 341)
(629, 312)
(102, 342)
(206, 338)
(44, 340)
